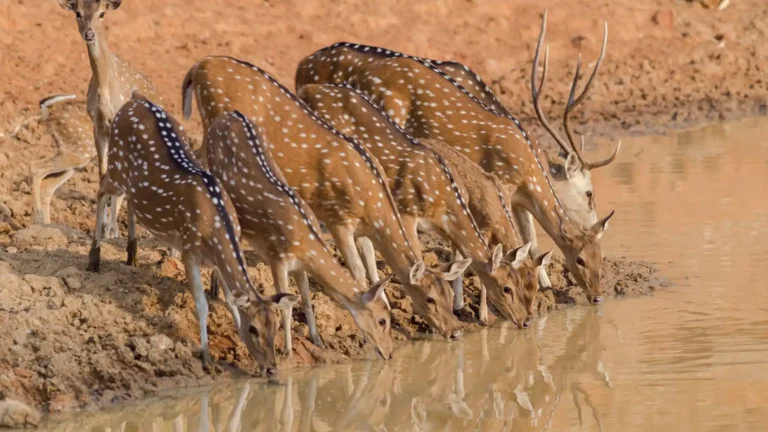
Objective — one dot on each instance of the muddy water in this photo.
(691, 357)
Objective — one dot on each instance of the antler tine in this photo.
(536, 92)
(605, 162)
(573, 103)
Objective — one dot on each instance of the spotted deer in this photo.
(428, 194)
(185, 207)
(72, 134)
(338, 178)
(284, 232)
(428, 103)
(489, 205)
(111, 84)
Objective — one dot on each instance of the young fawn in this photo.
(111, 84)
(335, 175)
(72, 134)
(283, 230)
(185, 207)
(428, 103)
(427, 193)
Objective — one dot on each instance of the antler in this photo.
(536, 92)
(574, 102)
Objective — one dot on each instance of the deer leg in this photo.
(345, 241)
(132, 247)
(483, 308)
(237, 412)
(369, 256)
(303, 282)
(213, 293)
(228, 300)
(280, 276)
(195, 281)
(458, 286)
(94, 256)
(113, 231)
(48, 188)
(524, 221)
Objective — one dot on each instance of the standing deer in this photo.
(185, 207)
(111, 84)
(570, 171)
(335, 175)
(71, 130)
(428, 196)
(285, 233)
(428, 103)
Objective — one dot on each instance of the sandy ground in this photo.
(76, 339)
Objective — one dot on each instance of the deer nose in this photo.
(527, 323)
(89, 35)
(271, 372)
(597, 300)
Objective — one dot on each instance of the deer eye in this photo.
(507, 290)
(430, 300)
(253, 330)
(382, 322)
(580, 261)
(101, 15)
(78, 15)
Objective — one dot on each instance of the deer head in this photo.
(373, 318)
(259, 324)
(89, 14)
(570, 170)
(433, 300)
(583, 257)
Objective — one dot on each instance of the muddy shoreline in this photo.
(78, 340)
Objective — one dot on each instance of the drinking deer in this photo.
(111, 84)
(430, 104)
(337, 177)
(285, 233)
(71, 130)
(427, 193)
(184, 206)
(489, 205)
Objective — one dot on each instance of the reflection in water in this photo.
(692, 357)
(429, 386)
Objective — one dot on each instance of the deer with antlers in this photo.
(569, 170)
(185, 207)
(428, 196)
(111, 84)
(339, 179)
(71, 130)
(284, 231)
(429, 103)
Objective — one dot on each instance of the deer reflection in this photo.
(500, 379)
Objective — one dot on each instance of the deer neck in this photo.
(336, 281)
(548, 213)
(102, 62)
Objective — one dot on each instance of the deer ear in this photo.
(599, 228)
(241, 298)
(457, 269)
(519, 255)
(113, 4)
(571, 165)
(67, 4)
(543, 260)
(284, 301)
(376, 289)
(417, 272)
(496, 257)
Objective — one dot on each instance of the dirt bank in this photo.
(75, 339)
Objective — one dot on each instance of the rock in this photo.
(50, 286)
(3, 159)
(15, 414)
(12, 250)
(17, 208)
(161, 341)
(46, 236)
(72, 277)
(664, 18)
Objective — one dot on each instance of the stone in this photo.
(46, 236)
(15, 414)
(161, 341)
(664, 18)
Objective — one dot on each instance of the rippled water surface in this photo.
(692, 357)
